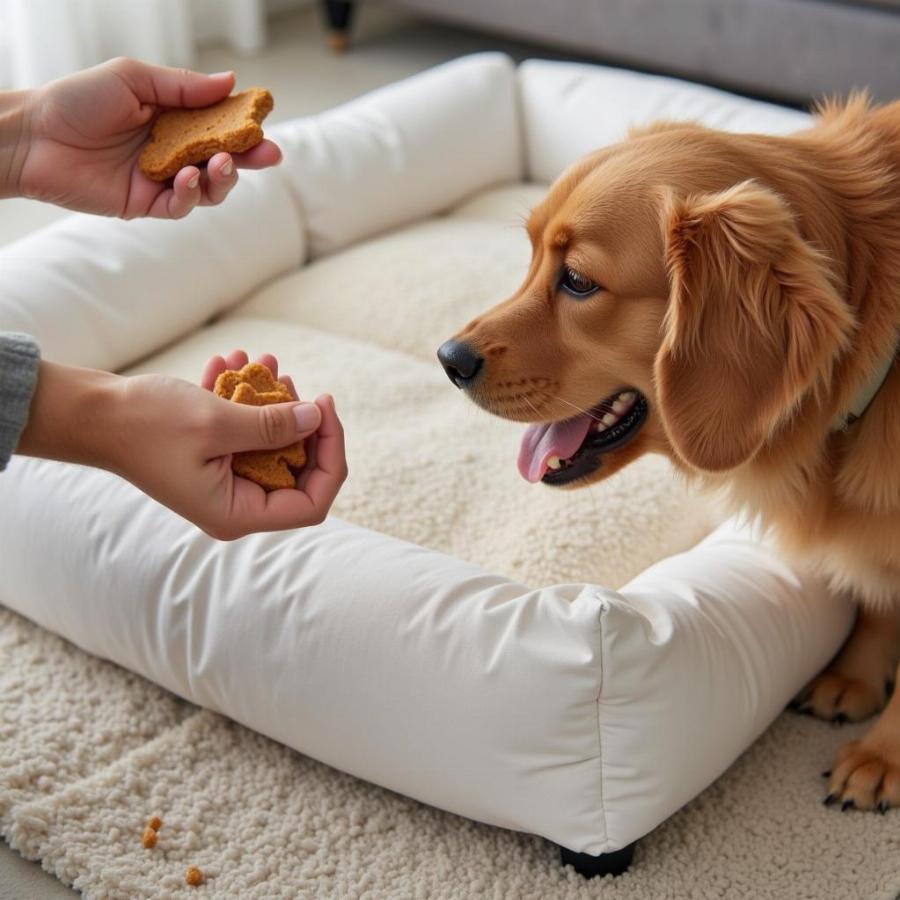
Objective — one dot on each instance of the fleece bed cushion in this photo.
(390, 274)
(426, 466)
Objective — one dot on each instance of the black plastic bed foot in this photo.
(614, 863)
(338, 15)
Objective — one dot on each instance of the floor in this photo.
(304, 78)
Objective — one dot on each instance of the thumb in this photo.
(163, 86)
(266, 427)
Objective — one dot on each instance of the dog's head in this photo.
(671, 305)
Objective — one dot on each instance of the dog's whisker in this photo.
(534, 408)
(585, 412)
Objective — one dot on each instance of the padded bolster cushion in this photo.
(104, 293)
(576, 712)
(406, 151)
(570, 109)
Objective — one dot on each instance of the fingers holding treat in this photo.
(237, 359)
(317, 485)
(175, 202)
(327, 469)
(270, 362)
(184, 137)
(220, 177)
(266, 153)
(186, 193)
(286, 484)
(288, 382)
(254, 384)
(214, 367)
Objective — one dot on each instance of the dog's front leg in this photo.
(866, 773)
(859, 680)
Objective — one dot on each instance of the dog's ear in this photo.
(753, 323)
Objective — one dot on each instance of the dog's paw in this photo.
(837, 698)
(866, 775)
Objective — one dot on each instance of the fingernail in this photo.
(228, 168)
(222, 74)
(307, 416)
(194, 181)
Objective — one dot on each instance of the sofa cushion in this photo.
(569, 109)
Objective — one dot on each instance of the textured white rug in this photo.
(88, 752)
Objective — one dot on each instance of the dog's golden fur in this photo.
(750, 287)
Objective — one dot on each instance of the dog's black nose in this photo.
(460, 362)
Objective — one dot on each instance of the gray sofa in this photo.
(794, 50)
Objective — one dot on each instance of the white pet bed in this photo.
(577, 712)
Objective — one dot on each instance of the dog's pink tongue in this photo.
(543, 440)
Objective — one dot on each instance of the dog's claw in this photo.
(826, 773)
(847, 804)
(829, 799)
(883, 807)
(839, 719)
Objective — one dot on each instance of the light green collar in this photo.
(865, 395)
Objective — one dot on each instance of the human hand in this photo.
(80, 138)
(174, 441)
(319, 481)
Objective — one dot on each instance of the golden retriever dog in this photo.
(731, 301)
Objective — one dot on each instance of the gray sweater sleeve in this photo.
(19, 361)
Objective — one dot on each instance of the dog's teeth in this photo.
(619, 406)
(610, 419)
(554, 462)
(627, 396)
(600, 426)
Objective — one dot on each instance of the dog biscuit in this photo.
(183, 137)
(255, 385)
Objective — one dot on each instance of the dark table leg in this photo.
(338, 15)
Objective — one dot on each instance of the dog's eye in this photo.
(576, 284)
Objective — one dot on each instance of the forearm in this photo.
(15, 117)
(72, 416)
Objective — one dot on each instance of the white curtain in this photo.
(43, 39)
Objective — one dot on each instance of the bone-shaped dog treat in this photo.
(183, 137)
(255, 385)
